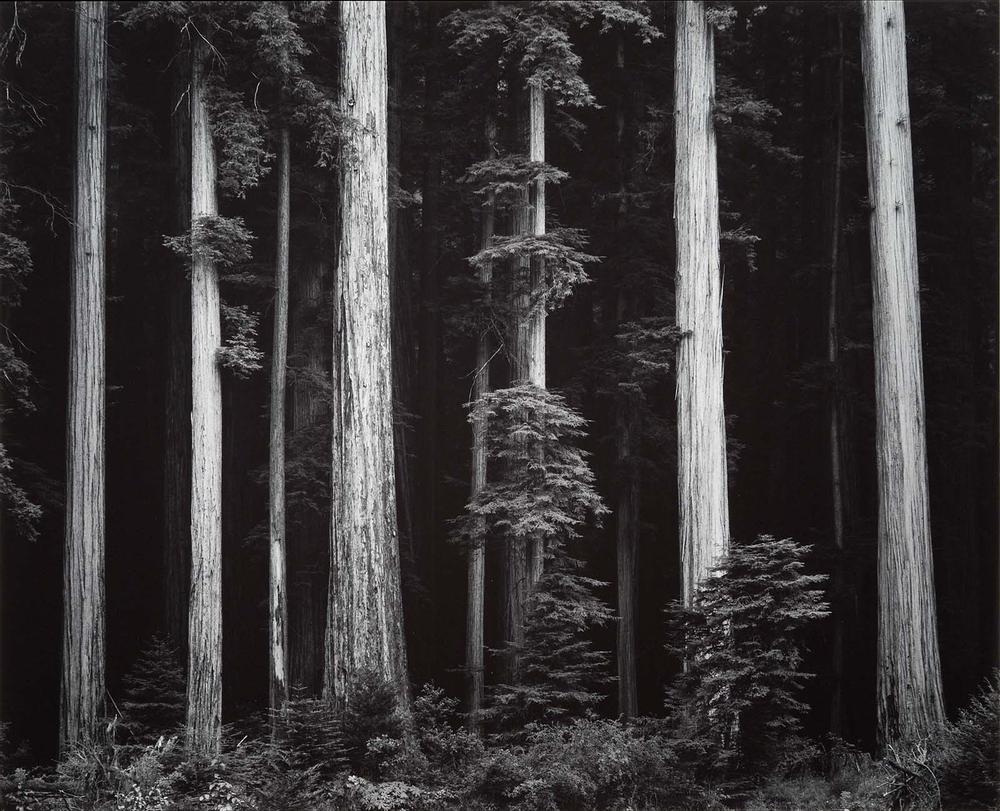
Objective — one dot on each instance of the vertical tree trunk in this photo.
(836, 441)
(701, 427)
(524, 561)
(308, 541)
(204, 700)
(83, 562)
(364, 617)
(626, 430)
(477, 553)
(279, 590)
(177, 440)
(627, 543)
(909, 668)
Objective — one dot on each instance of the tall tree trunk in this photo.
(279, 590)
(524, 561)
(204, 699)
(476, 580)
(177, 439)
(626, 430)
(83, 562)
(909, 698)
(701, 425)
(835, 420)
(308, 539)
(364, 617)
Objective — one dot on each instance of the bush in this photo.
(154, 692)
(589, 764)
(970, 752)
(741, 642)
(309, 736)
(371, 713)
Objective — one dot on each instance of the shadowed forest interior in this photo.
(455, 343)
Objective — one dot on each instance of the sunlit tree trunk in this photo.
(364, 618)
(909, 669)
(83, 557)
(278, 604)
(177, 437)
(204, 710)
(701, 428)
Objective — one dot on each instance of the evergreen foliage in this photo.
(967, 765)
(742, 645)
(154, 695)
(544, 489)
(370, 713)
(309, 735)
(561, 675)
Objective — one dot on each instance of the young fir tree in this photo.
(154, 692)
(543, 488)
(741, 641)
(543, 265)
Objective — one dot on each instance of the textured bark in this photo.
(701, 428)
(204, 689)
(909, 669)
(364, 617)
(476, 580)
(278, 604)
(83, 558)
(177, 439)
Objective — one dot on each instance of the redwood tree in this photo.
(204, 710)
(364, 617)
(701, 425)
(83, 557)
(910, 706)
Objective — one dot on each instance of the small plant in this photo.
(970, 751)
(309, 735)
(154, 692)
(371, 713)
(742, 647)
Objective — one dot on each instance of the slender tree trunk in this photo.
(909, 668)
(477, 553)
(177, 441)
(83, 559)
(701, 426)
(835, 421)
(524, 562)
(626, 431)
(279, 589)
(308, 539)
(627, 538)
(204, 710)
(364, 618)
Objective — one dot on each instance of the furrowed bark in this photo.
(278, 604)
(909, 694)
(364, 618)
(701, 428)
(204, 690)
(83, 643)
